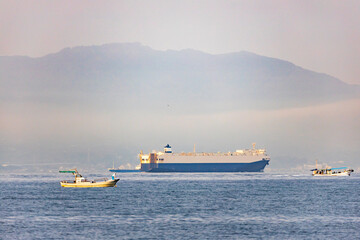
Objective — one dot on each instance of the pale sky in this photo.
(322, 36)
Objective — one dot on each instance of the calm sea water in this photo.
(182, 206)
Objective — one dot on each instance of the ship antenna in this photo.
(254, 144)
(194, 147)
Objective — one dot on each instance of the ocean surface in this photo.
(182, 206)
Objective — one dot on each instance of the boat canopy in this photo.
(68, 171)
(315, 169)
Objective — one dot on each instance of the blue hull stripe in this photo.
(206, 167)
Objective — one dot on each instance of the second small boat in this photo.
(342, 171)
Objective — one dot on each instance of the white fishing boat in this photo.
(82, 182)
(342, 171)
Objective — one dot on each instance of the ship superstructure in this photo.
(247, 160)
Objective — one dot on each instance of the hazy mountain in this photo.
(90, 106)
(135, 76)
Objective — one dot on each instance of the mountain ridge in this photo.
(186, 78)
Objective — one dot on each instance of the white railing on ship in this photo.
(220, 154)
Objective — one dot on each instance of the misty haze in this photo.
(98, 105)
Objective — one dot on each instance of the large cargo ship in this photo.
(247, 160)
